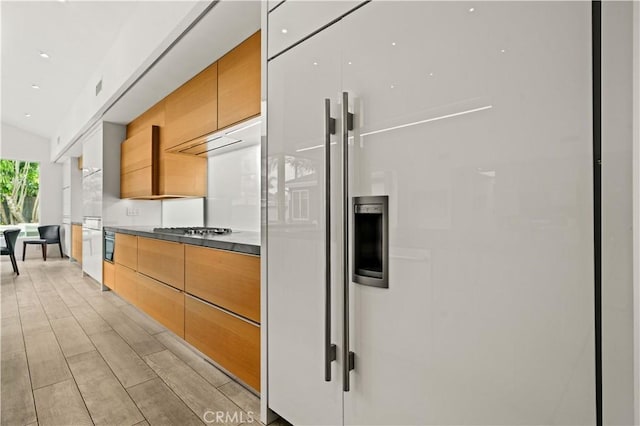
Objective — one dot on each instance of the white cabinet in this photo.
(477, 126)
(100, 185)
(294, 20)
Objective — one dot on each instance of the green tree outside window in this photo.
(19, 192)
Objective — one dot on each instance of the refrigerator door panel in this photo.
(92, 252)
(92, 194)
(477, 125)
(299, 82)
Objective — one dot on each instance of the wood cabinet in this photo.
(162, 302)
(140, 164)
(192, 110)
(239, 83)
(126, 250)
(162, 260)
(126, 283)
(177, 175)
(227, 279)
(109, 274)
(76, 243)
(232, 342)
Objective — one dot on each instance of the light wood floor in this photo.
(73, 355)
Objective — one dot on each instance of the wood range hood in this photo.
(235, 137)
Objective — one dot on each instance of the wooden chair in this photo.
(10, 238)
(49, 234)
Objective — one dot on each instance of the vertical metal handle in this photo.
(329, 348)
(348, 357)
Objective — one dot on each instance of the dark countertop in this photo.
(246, 242)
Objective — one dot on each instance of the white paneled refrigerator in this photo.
(100, 179)
(430, 216)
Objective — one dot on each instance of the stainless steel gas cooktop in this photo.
(202, 231)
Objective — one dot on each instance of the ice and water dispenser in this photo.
(371, 241)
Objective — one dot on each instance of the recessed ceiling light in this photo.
(284, 31)
(393, 43)
(315, 63)
(35, 86)
(502, 50)
(26, 114)
(44, 55)
(471, 9)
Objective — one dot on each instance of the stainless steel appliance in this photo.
(195, 231)
(109, 245)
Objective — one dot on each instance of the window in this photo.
(20, 196)
(300, 204)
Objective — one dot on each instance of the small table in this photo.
(43, 244)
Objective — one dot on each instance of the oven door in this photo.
(109, 246)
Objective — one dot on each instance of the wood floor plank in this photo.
(11, 340)
(71, 336)
(196, 392)
(89, 320)
(141, 341)
(161, 406)
(108, 402)
(46, 361)
(16, 397)
(69, 295)
(53, 305)
(179, 348)
(242, 398)
(61, 404)
(147, 323)
(34, 320)
(125, 363)
(9, 304)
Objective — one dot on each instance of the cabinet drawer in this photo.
(126, 251)
(192, 109)
(231, 342)
(127, 283)
(226, 279)
(239, 83)
(162, 260)
(109, 274)
(300, 19)
(163, 303)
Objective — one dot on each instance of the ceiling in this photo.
(74, 34)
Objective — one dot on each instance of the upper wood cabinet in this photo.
(239, 83)
(140, 163)
(192, 110)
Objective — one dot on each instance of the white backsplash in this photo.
(234, 190)
(183, 212)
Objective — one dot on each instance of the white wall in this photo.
(233, 199)
(152, 27)
(617, 196)
(18, 144)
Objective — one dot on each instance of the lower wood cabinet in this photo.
(127, 283)
(109, 274)
(228, 340)
(76, 243)
(126, 250)
(162, 302)
(227, 279)
(162, 260)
